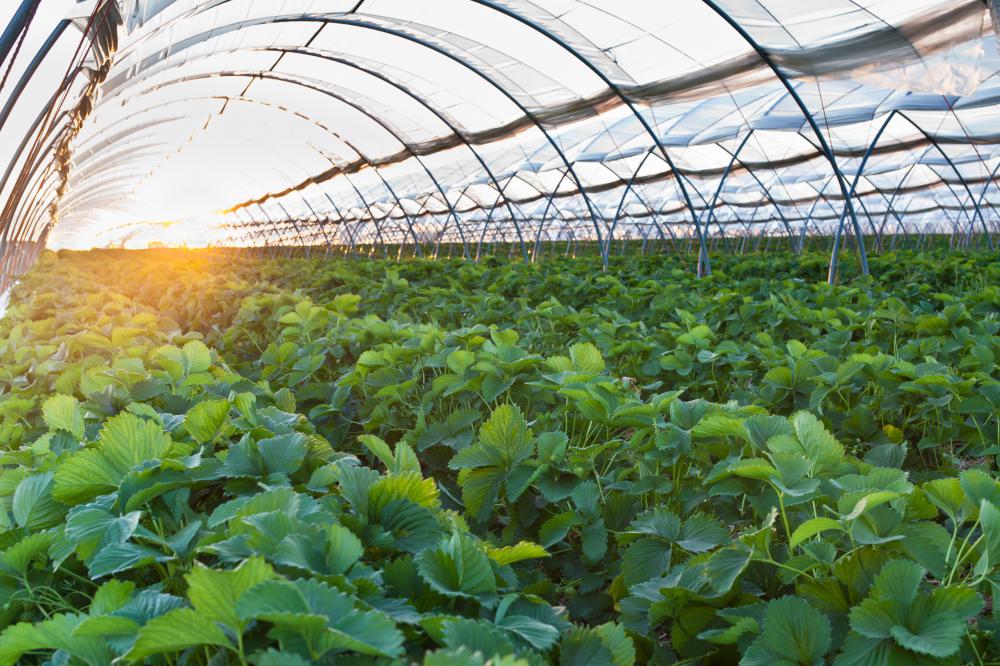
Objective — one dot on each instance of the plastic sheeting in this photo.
(469, 122)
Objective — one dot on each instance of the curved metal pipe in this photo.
(704, 264)
(823, 144)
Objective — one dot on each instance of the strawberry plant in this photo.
(213, 460)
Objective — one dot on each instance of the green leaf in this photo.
(584, 647)
(465, 657)
(595, 540)
(63, 412)
(821, 448)
(343, 549)
(862, 651)
(476, 636)
(506, 433)
(33, 506)
(762, 428)
(731, 635)
(657, 522)
(206, 420)
(793, 633)
(645, 558)
(125, 441)
(935, 635)
(524, 550)
(459, 360)
(538, 634)
(481, 489)
(92, 528)
(927, 544)
(607, 644)
(19, 557)
(989, 521)
(695, 534)
(55, 633)
(614, 638)
(947, 495)
(898, 581)
(283, 454)
(457, 568)
(811, 528)
(586, 358)
(322, 617)
(197, 357)
(931, 625)
(118, 557)
(272, 657)
(979, 486)
(111, 596)
(726, 564)
(700, 533)
(754, 468)
(406, 486)
(125, 617)
(557, 527)
(412, 526)
(177, 630)
(214, 594)
(720, 425)
(963, 601)
(380, 449)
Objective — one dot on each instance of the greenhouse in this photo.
(499, 332)
(463, 124)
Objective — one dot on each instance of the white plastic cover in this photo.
(476, 121)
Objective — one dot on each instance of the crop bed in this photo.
(212, 459)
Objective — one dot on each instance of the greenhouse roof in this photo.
(348, 122)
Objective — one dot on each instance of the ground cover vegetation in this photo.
(212, 459)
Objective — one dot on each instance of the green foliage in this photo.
(218, 461)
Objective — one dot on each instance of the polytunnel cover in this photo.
(343, 124)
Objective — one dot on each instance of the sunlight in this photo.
(196, 231)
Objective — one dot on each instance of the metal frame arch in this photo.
(766, 190)
(292, 81)
(31, 69)
(550, 198)
(824, 145)
(703, 268)
(503, 91)
(653, 215)
(322, 225)
(372, 116)
(449, 123)
(891, 200)
(960, 206)
(39, 202)
(51, 115)
(312, 234)
(990, 180)
(358, 107)
(30, 165)
(628, 188)
(441, 116)
(287, 111)
(933, 142)
(424, 43)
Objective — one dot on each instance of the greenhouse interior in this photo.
(500, 332)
